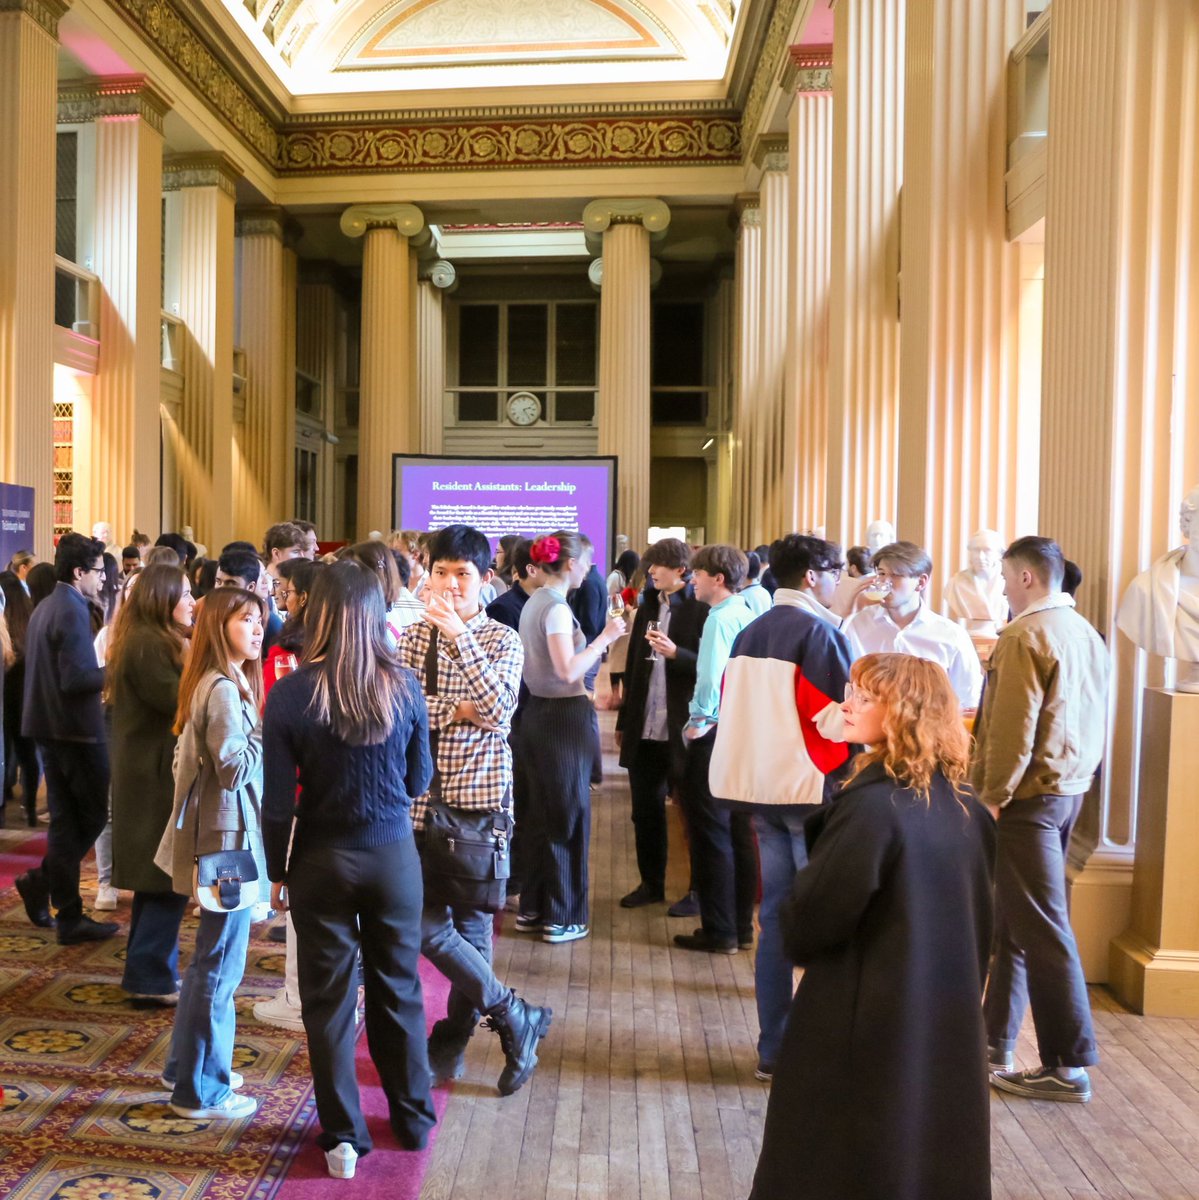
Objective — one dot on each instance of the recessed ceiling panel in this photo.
(423, 33)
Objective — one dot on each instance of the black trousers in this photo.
(343, 902)
(724, 859)
(77, 777)
(520, 792)
(558, 748)
(649, 778)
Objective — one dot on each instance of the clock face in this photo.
(524, 409)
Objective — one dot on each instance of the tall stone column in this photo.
(386, 412)
(28, 112)
(959, 466)
(124, 427)
(200, 290)
(863, 428)
(430, 355)
(805, 429)
(747, 346)
(767, 452)
(1120, 401)
(266, 439)
(623, 407)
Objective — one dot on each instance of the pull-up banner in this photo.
(16, 520)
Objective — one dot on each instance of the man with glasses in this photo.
(63, 714)
(778, 741)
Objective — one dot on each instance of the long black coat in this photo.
(687, 617)
(145, 691)
(880, 1091)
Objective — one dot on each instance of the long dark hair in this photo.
(18, 608)
(376, 557)
(298, 574)
(40, 581)
(148, 615)
(360, 685)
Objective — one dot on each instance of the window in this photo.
(66, 212)
(307, 462)
(678, 395)
(548, 348)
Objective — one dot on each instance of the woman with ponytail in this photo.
(557, 743)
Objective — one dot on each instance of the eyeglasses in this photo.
(834, 570)
(99, 571)
(857, 698)
(282, 592)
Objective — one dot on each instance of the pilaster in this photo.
(747, 351)
(868, 137)
(430, 351)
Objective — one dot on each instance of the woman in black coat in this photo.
(880, 1090)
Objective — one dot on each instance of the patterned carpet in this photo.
(84, 1116)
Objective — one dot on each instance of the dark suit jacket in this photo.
(62, 678)
(687, 617)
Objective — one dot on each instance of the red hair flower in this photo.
(545, 550)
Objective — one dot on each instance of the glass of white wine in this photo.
(652, 627)
(615, 605)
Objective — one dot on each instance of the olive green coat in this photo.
(145, 691)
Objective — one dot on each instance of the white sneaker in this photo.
(106, 898)
(278, 1012)
(341, 1160)
(236, 1082)
(231, 1108)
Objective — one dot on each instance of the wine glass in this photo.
(285, 664)
(652, 627)
(615, 605)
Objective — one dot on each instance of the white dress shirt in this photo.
(929, 635)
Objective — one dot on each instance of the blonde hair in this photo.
(923, 733)
(211, 650)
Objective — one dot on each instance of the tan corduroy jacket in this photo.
(1040, 730)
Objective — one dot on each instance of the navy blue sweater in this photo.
(350, 797)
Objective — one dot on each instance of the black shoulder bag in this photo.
(465, 855)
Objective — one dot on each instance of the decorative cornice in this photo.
(810, 69)
(406, 218)
(516, 113)
(528, 144)
(773, 50)
(600, 214)
(268, 221)
(47, 13)
(201, 170)
(82, 101)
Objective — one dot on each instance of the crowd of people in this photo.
(841, 761)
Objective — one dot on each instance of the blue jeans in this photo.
(782, 852)
(201, 1055)
(152, 954)
(457, 941)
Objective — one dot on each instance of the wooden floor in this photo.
(646, 1087)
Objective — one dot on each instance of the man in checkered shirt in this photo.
(478, 665)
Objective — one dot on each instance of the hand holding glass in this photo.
(651, 627)
(616, 605)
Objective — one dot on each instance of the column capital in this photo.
(653, 214)
(47, 13)
(440, 272)
(268, 220)
(85, 100)
(748, 207)
(809, 69)
(770, 152)
(406, 219)
(201, 170)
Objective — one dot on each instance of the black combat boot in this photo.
(520, 1026)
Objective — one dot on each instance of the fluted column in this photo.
(28, 111)
(623, 407)
(960, 467)
(386, 412)
(766, 509)
(1120, 404)
(200, 289)
(430, 353)
(805, 430)
(266, 439)
(747, 345)
(868, 60)
(316, 357)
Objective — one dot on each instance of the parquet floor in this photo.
(646, 1090)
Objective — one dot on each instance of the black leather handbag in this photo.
(466, 855)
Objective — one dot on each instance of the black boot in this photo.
(447, 1051)
(32, 889)
(520, 1026)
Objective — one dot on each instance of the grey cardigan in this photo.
(220, 750)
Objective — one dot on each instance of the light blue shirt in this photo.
(757, 597)
(725, 621)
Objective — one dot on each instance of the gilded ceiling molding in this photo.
(212, 169)
(774, 48)
(82, 101)
(406, 218)
(600, 214)
(810, 70)
(547, 143)
(167, 30)
(47, 13)
(513, 113)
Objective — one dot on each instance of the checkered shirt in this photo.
(475, 764)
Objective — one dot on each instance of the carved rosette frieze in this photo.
(461, 146)
(83, 101)
(201, 170)
(47, 13)
(407, 219)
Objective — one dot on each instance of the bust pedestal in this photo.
(1155, 962)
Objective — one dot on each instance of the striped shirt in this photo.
(475, 765)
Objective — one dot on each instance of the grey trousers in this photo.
(1034, 954)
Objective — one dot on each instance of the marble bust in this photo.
(879, 534)
(1160, 609)
(974, 596)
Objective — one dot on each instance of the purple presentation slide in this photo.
(500, 496)
(16, 520)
